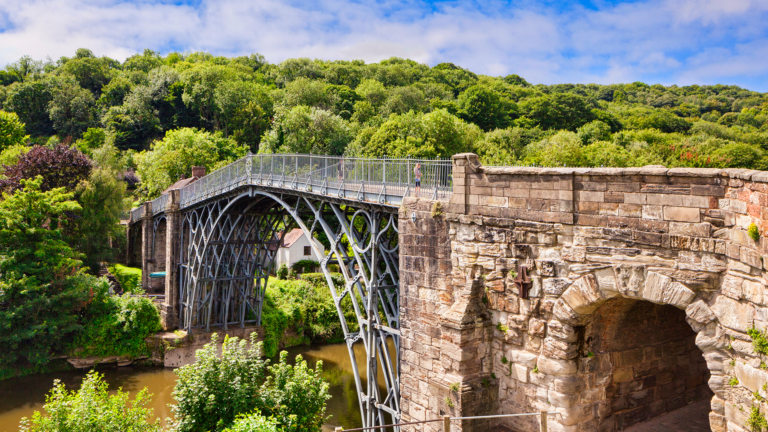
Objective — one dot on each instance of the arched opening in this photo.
(157, 263)
(645, 366)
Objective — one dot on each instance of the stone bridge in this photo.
(611, 296)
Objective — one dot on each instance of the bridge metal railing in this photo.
(160, 203)
(137, 213)
(387, 180)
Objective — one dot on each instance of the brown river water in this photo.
(20, 397)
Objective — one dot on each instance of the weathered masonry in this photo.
(609, 295)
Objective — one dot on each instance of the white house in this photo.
(296, 247)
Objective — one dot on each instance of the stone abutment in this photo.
(641, 286)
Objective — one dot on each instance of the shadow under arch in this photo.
(593, 307)
(231, 245)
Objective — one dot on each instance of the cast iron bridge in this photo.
(217, 239)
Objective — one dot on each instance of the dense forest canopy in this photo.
(165, 113)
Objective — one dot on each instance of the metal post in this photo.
(543, 421)
(371, 310)
(446, 424)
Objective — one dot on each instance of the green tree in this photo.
(143, 62)
(400, 100)
(12, 131)
(485, 108)
(92, 139)
(308, 130)
(99, 235)
(246, 110)
(373, 91)
(594, 131)
(557, 111)
(178, 152)
(92, 408)
(41, 285)
(71, 108)
(29, 100)
(505, 146)
(91, 73)
(561, 149)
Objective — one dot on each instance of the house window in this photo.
(307, 251)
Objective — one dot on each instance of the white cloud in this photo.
(655, 40)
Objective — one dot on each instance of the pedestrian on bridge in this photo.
(417, 177)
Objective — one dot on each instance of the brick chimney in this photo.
(198, 171)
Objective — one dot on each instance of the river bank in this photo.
(20, 397)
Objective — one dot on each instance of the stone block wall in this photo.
(591, 239)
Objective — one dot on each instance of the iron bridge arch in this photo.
(229, 246)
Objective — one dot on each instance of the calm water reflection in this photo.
(19, 397)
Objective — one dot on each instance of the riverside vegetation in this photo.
(236, 391)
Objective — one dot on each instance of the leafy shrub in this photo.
(307, 306)
(212, 392)
(117, 325)
(756, 421)
(295, 395)
(254, 422)
(759, 341)
(92, 408)
(282, 272)
(754, 232)
(128, 277)
(305, 266)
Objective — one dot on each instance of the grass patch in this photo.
(128, 277)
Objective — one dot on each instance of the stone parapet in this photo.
(643, 285)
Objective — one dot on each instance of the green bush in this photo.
(282, 272)
(754, 232)
(128, 277)
(305, 266)
(212, 392)
(254, 422)
(306, 305)
(117, 325)
(92, 408)
(295, 395)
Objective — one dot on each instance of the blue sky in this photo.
(603, 41)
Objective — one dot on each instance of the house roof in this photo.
(180, 184)
(291, 238)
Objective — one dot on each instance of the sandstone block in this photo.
(751, 257)
(556, 348)
(591, 196)
(522, 357)
(751, 378)
(690, 229)
(661, 289)
(575, 415)
(653, 212)
(635, 198)
(555, 286)
(556, 366)
(584, 295)
(682, 214)
(562, 331)
(700, 312)
(732, 314)
(665, 199)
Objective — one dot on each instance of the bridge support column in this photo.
(169, 313)
(146, 245)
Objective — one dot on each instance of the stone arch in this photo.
(583, 300)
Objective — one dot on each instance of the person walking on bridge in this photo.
(417, 177)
